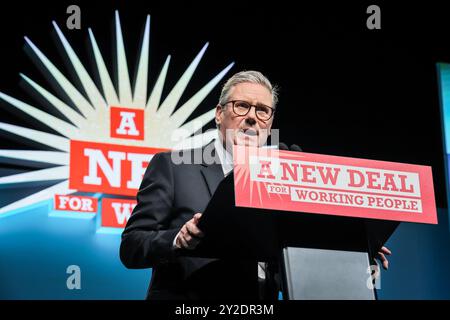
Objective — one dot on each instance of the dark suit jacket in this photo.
(168, 197)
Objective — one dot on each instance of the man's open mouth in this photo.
(250, 132)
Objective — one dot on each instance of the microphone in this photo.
(294, 147)
(282, 146)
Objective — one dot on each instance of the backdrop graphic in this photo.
(105, 140)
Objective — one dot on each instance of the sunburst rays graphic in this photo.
(90, 121)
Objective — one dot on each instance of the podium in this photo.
(319, 256)
(321, 218)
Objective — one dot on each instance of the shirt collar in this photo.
(226, 159)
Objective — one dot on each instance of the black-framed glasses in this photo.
(242, 108)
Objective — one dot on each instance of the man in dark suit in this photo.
(173, 195)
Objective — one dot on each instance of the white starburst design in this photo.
(91, 120)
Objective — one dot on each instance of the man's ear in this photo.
(219, 111)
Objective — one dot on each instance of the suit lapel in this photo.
(212, 173)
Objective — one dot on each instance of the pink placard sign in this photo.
(342, 186)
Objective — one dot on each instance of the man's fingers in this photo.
(183, 242)
(386, 251)
(184, 231)
(187, 237)
(190, 234)
(183, 237)
(384, 261)
(197, 217)
(193, 230)
(189, 242)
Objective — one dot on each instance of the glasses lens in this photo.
(263, 112)
(241, 107)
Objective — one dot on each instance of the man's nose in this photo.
(250, 121)
(250, 118)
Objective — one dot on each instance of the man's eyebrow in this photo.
(259, 104)
(263, 105)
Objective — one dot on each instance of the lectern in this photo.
(324, 243)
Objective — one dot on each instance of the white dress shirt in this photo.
(226, 159)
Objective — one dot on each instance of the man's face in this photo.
(246, 130)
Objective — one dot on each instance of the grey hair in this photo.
(251, 77)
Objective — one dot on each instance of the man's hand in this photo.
(382, 257)
(189, 235)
